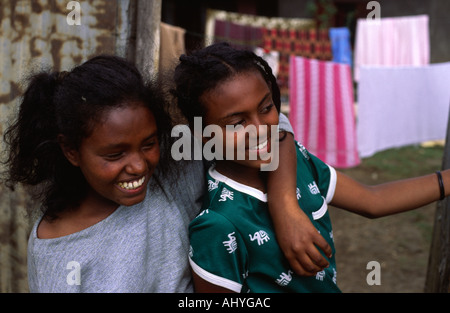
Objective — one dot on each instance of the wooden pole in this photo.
(126, 29)
(148, 37)
(137, 34)
(438, 273)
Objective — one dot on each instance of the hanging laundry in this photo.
(340, 45)
(400, 106)
(224, 26)
(171, 46)
(310, 43)
(271, 57)
(240, 36)
(321, 110)
(251, 20)
(392, 41)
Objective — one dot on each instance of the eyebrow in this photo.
(238, 113)
(123, 144)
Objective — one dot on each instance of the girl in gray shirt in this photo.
(115, 207)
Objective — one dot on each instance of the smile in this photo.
(131, 185)
(260, 146)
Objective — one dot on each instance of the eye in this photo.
(236, 121)
(113, 156)
(267, 108)
(240, 122)
(150, 144)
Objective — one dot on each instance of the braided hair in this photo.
(204, 69)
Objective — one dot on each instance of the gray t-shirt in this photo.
(141, 248)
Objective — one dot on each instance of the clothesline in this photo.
(374, 52)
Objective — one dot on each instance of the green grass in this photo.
(398, 163)
(401, 163)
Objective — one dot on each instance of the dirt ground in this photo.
(399, 243)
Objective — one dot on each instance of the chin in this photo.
(132, 201)
(255, 164)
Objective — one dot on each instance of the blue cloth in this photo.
(340, 45)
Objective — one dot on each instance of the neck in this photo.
(242, 174)
(93, 207)
(96, 205)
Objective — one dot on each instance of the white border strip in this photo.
(320, 212)
(214, 279)
(332, 185)
(258, 194)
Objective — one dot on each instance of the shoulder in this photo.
(47, 230)
(213, 229)
(210, 220)
(213, 237)
(185, 187)
(60, 227)
(323, 174)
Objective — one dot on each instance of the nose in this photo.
(136, 164)
(256, 121)
(261, 127)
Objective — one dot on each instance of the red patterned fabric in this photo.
(309, 43)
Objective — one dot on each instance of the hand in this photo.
(299, 240)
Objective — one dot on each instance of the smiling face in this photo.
(120, 155)
(244, 99)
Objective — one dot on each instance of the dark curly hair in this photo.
(204, 69)
(69, 104)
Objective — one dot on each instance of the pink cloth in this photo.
(392, 41)
(321, 110)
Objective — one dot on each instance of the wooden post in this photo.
(438, 273)
(126, 29)
(147, 37)
(137, 36)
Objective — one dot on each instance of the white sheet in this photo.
(400, 106)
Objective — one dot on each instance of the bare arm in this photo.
(297, 237)
(389, 198)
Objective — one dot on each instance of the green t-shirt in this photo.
(233, 242)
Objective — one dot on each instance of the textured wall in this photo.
(35, 34)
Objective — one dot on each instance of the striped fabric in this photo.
(321, 110)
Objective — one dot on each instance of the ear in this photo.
(69, 152)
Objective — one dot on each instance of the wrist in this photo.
(446, 182)
(441, 185)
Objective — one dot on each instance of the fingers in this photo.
(307, 262)
(323, 245)
(304, 267)
(305, 258)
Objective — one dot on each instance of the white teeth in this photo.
(132, 185)
(260, 146)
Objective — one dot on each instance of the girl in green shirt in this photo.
(227, 87)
